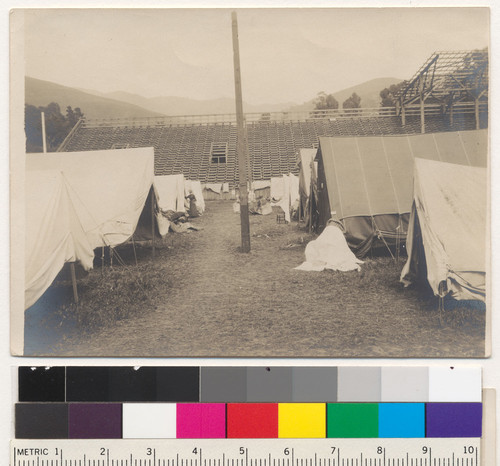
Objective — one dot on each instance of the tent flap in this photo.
(54, 234)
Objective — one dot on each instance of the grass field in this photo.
(202, 297)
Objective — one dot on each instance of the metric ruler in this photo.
(248, 452)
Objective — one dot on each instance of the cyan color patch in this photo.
(401, 420)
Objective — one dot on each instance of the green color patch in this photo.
(352, 420)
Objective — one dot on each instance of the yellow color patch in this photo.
(302, 420)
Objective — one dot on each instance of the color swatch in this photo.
(252, 420)
(352, 420)
(41, 420)
(95, 421)
(201, 420)
(149, 420)
(301, 420)
(359, 384)
(401, 420)
(453, 419)
(247, 420)
(250, 384)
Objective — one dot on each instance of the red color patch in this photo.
(252, 420)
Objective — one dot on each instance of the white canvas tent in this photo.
(447, 230)
(170, 190)
(108, 188)
(285, 193)
(54, 233)
(88, 200)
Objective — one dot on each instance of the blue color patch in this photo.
(401, 420)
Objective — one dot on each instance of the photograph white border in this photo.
(491, 366)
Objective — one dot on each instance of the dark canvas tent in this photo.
(447, 230)
(366, 182)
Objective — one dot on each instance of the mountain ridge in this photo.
(121, 104)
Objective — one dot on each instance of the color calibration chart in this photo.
(248, 416)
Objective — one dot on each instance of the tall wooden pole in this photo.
(241, 149)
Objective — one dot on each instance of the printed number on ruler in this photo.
(248, 452)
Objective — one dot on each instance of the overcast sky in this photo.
(287, 55)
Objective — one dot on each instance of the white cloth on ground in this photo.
(329, 251)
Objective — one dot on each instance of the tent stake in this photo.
(73, 281)
(135, 253)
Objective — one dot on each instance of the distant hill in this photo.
(369, 92)
(41, 93)
(170, 105)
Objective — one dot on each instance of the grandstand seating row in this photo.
(272, 146)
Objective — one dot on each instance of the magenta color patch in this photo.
(201, 420)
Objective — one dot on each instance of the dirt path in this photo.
(219, 302)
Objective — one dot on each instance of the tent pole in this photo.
(73, 281)
(153, 223)
(310, 207)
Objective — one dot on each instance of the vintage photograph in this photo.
(281, 182)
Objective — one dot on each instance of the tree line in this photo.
(57, 125)
(324, 101)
